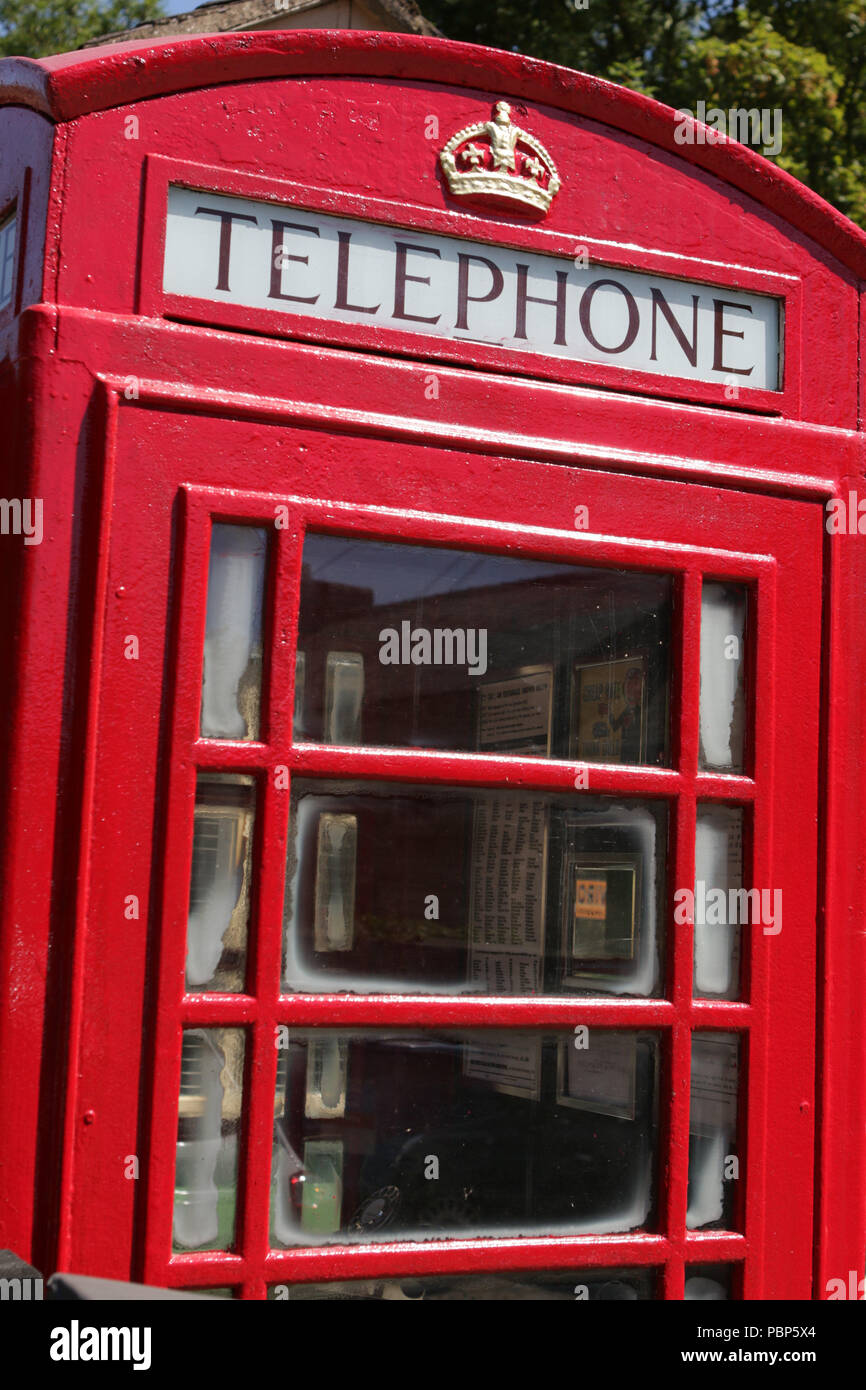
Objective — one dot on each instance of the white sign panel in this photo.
(267, 256)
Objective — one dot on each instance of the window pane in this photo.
(408, 889)
(219, 894)
(564, 1286)
(714, 1167)
(723, 689)
(708, 1283)
(718, 902)
(208, 1128)
(8, 230)
(395, 1135)
(414, 646)
(232, 678)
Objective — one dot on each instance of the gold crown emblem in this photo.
(495, 164)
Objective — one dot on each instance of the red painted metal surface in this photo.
(233, 412)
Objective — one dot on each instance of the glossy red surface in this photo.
(136, 416)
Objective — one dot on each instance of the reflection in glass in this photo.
(723, 690)
(419, 889)
(718, 877)
(440, 648)
(713, 1162)
(327, 1077)
(463, 1133)
(300, 685)
(219, 895)
(337, 848)
(707, 1283)
(231, 687)
(8, 235)
(344, 697)
(208, 1126)
(564, 1286)
(613, 860)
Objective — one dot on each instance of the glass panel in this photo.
(232, 678)
(718, 902)
(708, 1283)
(414, 646)
(723, 685)
(408, 889)
(8, 230)
(344, 697)
(393, 1135)
(208, 1128)
(298, 732)
(219, 894)
(565, 1286)
(714, 1167)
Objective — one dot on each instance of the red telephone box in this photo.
(435, 800)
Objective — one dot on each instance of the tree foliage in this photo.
(33, 28)
(806, 58)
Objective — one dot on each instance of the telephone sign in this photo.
(339, 269)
